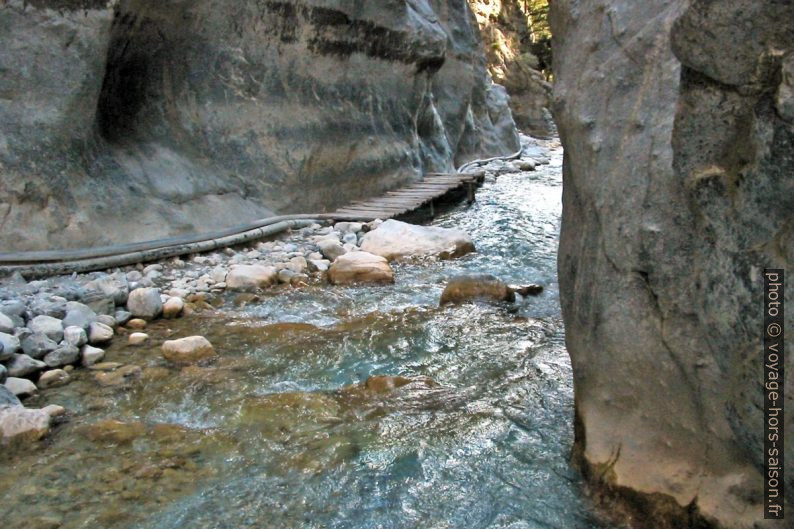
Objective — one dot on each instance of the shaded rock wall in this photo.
(133, 119)
(506, 29)
(679, 190)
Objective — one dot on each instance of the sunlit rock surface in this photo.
(678, 193)
(133, 119)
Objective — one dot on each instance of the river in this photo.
(279, 433)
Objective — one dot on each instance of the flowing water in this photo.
(280, 432)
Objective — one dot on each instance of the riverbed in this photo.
(281, 433)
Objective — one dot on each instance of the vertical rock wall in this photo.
(507, 32)
(678, 191)
(133, 119)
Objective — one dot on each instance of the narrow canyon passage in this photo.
(278, 434)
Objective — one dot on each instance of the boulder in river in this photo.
(79, 315)
(145, 303)
(173, 307)
(29, 424)
(63, 355)
(188, 350)
(331, 249)
(399, 240)
(20, 387)
(37, 345)
(8, 398)
(47, 325)
(22, 365)
(75, 336)
(99, 333)
(250, 277)
(360, 267)
(527, 290)
(91, 355)
(477, 287)
(9, 345)
(53, 378)
(6, 324)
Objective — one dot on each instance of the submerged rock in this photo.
(113, 431)
(360, 267)
(117, 377)
(483, 287)
(386, 384)
(527, 290)
(398, 240)
(188, 350)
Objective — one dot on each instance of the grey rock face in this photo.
(678, 193)
(345, 99)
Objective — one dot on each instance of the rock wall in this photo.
(133, 119)
(677, 122)
(506, 29)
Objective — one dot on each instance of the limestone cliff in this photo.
(677, 122)
(517, 50)
(133, 119)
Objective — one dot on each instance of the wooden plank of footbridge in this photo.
(412, 197)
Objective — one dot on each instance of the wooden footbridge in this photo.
(423, 194)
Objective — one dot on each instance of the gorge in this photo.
(130, 120)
